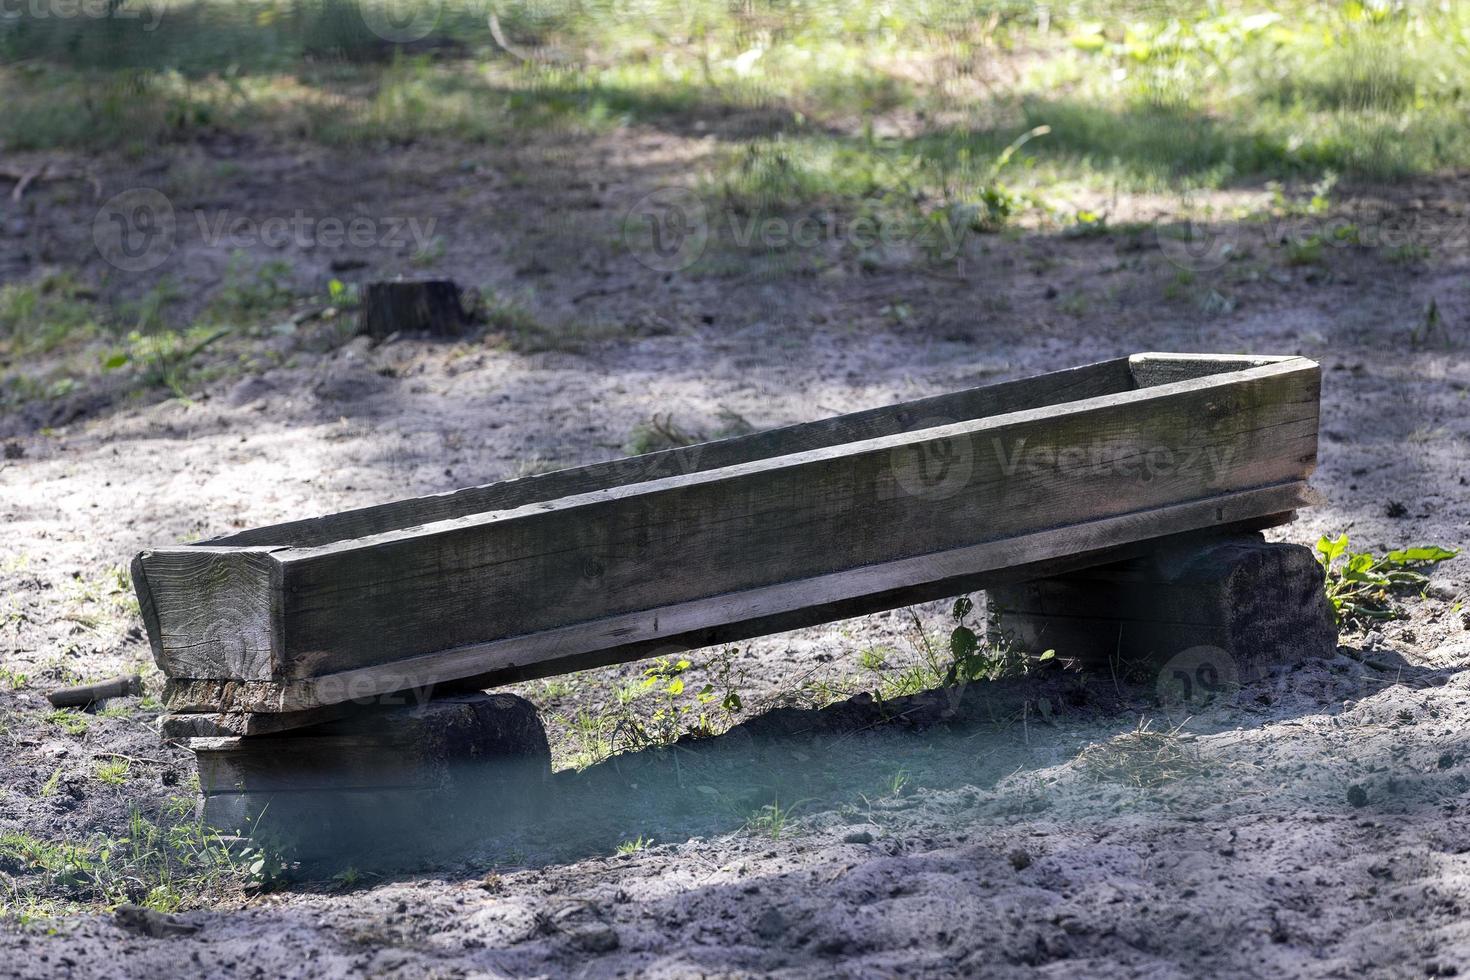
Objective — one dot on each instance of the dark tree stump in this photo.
(385, 784)
(431, 306)
(1237, 602)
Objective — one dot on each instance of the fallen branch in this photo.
(46, 171)
(82, 695)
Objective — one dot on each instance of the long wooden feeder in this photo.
(730, 539)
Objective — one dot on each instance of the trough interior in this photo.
(1041, 391)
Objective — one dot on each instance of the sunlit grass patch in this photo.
(165, 866)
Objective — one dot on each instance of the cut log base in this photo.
(1232, 607)
(382, 787)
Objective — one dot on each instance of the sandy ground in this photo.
(1315, 825)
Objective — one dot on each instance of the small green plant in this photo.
(348, 878)
(246, 298)
(973, 660)
(1360, 585)
(675, 715)
(114, 772)
(590, 737)
(342, 296)
(165, 357)
(555, 688)
(159, 866)
(38, 317)
(771, 819)
(13, 679)
(1307, 252)
(429, 253)
(634, 846)
(48, 788)
(1430, 330)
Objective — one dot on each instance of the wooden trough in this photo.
(288, 625)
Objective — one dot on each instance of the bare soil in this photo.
(1314, 825)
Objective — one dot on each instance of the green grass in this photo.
(1146, 96)
(114, 772)
(929, 119)
(163, 866)
(36, 317)
(69, 720)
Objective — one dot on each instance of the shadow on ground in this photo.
(853, 760)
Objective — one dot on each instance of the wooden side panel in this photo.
(1090, 381)
(818, 513)
(211, 612)
(737, 616)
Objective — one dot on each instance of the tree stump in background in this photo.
(431, 306)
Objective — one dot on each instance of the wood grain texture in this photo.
(786, 519)
(729, 618)
(760, 545)
(214, 611)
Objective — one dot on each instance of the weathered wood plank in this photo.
(734, 617)
(1153, 369)
(216, 724)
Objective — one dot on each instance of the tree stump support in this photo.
(387, 782)
(1239, 602)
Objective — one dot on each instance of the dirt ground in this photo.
(1316, 825)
